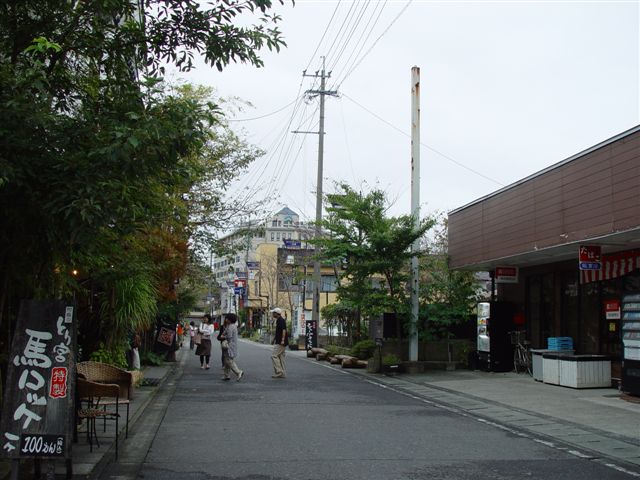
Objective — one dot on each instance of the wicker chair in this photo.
(105, 373)
(92, 394)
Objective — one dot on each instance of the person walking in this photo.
(204, 348)
(279, 343)
(192, 335)
(230, 335)
(223, 325)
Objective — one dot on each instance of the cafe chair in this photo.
(91, 394)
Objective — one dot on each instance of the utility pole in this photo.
(415, 210)
(317, 274)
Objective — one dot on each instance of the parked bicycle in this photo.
(521, 352)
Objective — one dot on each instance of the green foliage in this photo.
(151, 359)
(391, 359)
(337, 350)
(255, 336)
(105, 172)
(447, 297)
(363, 349)
(114, 355)
(372, 249)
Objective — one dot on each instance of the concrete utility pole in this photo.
(317, 274)
(415, 209)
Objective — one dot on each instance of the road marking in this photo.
(398, 387)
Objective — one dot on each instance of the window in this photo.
(274, 223)
(273, 236)
(329, 283)
(289, 235)
(278, 236)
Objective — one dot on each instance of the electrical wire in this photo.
(357, 19)
(265, 115)
(357, 64)
(335, 10)
(460, 164)
(360, 40)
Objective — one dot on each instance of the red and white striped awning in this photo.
(613, 266)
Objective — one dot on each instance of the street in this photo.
(322, 423)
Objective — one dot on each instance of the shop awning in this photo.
(613, 266)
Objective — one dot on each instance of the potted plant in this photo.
(391, 364)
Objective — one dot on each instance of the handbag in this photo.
(224, 345)
(197, 338)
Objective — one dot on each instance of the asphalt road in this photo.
(322, 423)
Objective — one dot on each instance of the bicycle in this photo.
(521, 352)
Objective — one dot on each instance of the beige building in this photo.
(283, 280)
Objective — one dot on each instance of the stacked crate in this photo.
(559, 343)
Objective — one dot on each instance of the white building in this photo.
(234, 266)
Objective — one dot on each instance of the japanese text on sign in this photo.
(35, 417)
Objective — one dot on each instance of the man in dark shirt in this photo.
(279, 343)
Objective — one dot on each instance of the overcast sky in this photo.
(508, 88)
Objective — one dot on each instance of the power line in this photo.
(361, 42)
(335, 10)
(421, 143)
(357, 64)
(266, 114)
(357, 19)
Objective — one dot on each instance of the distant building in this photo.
(242, 244)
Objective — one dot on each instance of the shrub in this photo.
(113, 356)
(391, 359)
(150, 358)
(363, 349)
(255, 336)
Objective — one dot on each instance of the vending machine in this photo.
(495, 321)
(631, 343)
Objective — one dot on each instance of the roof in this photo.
(552, 167)
(287, 211)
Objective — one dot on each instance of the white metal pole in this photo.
(415, 209)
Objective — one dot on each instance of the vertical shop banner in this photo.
(311, 334)
(38, 409)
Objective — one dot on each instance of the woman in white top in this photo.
(204, 349)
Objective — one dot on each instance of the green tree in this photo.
(447, 296)
(373, 250)
(99, 160)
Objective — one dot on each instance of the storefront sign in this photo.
(612, 309)
(506, 275)
(288, 243)
(311, 334)
(165, 336)
(589, 257)
(37, 413)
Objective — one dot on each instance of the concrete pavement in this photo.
(600, 423)
(597, 424)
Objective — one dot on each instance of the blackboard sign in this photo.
(38, 409)
(310, 334)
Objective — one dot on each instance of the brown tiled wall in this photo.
(592, 195)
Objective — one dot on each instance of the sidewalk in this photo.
(86, 463)
(595, 422)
